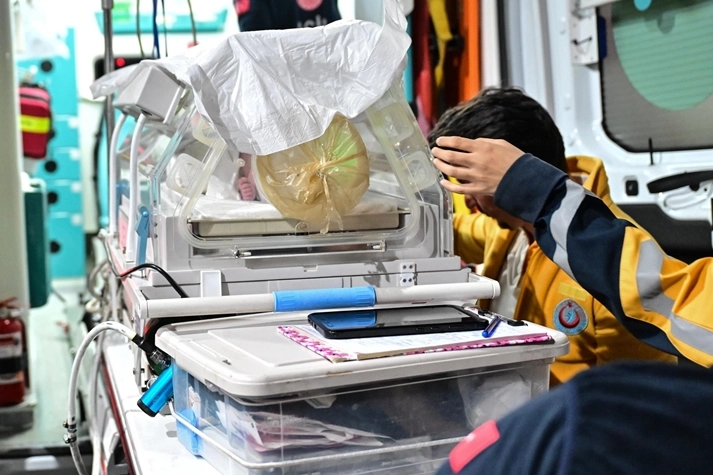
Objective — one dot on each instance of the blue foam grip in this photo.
(158, 395)
(294, 300)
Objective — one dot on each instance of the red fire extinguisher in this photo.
(12, 335)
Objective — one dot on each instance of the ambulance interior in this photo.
(224, 214)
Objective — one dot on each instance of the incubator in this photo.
(343, 210)
(363, 191)
(360, 205)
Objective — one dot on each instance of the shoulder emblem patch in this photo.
(570, 318)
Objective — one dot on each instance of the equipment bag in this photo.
(35, 120)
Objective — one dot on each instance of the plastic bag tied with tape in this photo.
(319, 181)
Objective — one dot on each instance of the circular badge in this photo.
(309, 5)
(570, 318)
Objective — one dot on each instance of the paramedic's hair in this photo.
(508, 114)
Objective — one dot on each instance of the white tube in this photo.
(113, 175)
(232, 304)
(134, 189)
(93, 405)
(485, 289)
(71, 422)
(229, 304)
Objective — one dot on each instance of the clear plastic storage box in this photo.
(403, 427)
(251, 401)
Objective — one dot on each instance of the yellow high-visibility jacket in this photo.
(548, 296)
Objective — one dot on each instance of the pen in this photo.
(490, 329)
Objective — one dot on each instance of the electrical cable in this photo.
(165, 30)
(98, 140)
(93, 407)
(148, 265)
(93, 383)
(113, 172)
(156, 52)
(104, 238)
(134, 189)
(193, 23)
(165, 275)
(70, 423)
(110, 312)
(138, 28)
(91, 277)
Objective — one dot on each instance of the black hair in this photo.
(508, 114)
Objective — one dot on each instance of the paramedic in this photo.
(532, 286)
(623, 418)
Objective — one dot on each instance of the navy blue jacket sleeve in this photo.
(577, 231)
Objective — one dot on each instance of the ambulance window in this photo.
(657, 75)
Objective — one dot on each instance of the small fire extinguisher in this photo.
(12, 335)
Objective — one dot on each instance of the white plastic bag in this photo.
(267, 91)
(492, 396)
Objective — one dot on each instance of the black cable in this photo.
(193, 23)
(156, 51)
(165, 30)
(138, 28)
(98, 136)
(165, 274)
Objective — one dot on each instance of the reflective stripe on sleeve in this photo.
(653, 299)
(560, 222)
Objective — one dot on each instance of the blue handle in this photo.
(295, 300)
(142, 229)
(158, 395)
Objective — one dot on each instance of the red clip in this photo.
(469, 448)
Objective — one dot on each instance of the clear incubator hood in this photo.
(283, 168)
(363, 191)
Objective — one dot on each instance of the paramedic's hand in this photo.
(478, 164)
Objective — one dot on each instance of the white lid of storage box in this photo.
(247, 357)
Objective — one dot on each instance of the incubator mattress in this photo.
(216, 217)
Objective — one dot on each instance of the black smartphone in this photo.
(395, 321)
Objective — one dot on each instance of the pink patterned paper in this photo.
(315, 345)
(336, 356)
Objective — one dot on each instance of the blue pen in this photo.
(490, 329)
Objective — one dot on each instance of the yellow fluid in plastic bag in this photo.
(319, 181)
